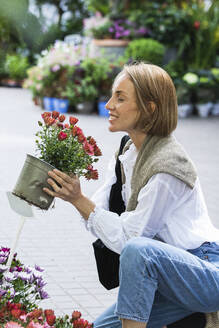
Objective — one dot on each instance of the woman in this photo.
(169, 262)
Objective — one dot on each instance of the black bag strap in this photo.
(116, 203)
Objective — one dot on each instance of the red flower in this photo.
(61, 118)
(46, 114)
(81, 137)
(88, 148)
(48, 312)
(67, 126)
(51, 121)
(36, 313)
(55, 114)
(92, 141)
(16, 313)
(91, 174)
(80, 323)
(97, 151)
(62, 135)
(76, 315)
(51, 319)
(197, 25)
(60, 125)
(73, 120)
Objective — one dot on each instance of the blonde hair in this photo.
(155, 96)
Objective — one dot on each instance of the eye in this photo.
(121, 99)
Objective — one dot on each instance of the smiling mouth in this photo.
(112, 117)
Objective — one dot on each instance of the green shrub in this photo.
(145, 49)
(16, 66)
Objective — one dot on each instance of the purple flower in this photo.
(2, 259)
(142, 30)
(41, 283)
(19, 269)
(118, 35)
(43, 294)
(111, 30)
(38, 268)
(5, 250)
(126, 33)
(27, 269)
(55, 68)
(2, 292)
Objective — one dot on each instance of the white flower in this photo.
(9, 276)
(190, 78)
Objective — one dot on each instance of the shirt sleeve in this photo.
(155, 201)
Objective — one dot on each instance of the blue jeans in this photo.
(160, 284)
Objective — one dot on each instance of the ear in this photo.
(152, 106)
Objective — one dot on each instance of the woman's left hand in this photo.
(65, 187)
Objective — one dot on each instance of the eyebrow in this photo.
(118, 92)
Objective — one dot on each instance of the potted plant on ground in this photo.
(84, 82)
(59, 145)
(215, 74)
(185, 106)
(16, 66)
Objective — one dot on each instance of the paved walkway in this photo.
(57, 239)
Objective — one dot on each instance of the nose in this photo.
(109, 105)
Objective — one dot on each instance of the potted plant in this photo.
(16, 67)
(185, 106)
(112, 35)
(58, 145)
(84, 82)
(215, 74)
(145, 49)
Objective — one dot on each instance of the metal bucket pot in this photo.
(32, 180)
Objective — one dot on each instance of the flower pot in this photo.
(215, 109)
(61, 105)
(112, 48)
(185, 110)
(86, 107)
(102, 111)
(32, 179)
(48, 103)
(204, 109)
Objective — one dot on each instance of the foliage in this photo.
(87, 79)
(203, 36)
(21, 284)
(145, 49)
(15, 315)
(65, 146)
(16, 66)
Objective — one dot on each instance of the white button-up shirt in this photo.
(167, 208)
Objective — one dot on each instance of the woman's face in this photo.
(122, 106)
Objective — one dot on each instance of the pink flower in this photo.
(12, 324)
(88, 148)
(33, 324)
(62, 136)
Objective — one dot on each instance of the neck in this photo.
(137, 138)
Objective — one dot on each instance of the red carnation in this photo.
(46, 114)
(48, 312)
(197, 25)
(73, 120)
(92, 174)
(36, 313)
(60, 125)
(81, 137)
(74, 131)
(76, 315)
(50, 319)
(55, 114)
(92, 141)
(16, 313)
(61, 118)
(62, 135)
(50, 121)
(97, 151)
(67, 126)
(88, 148)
